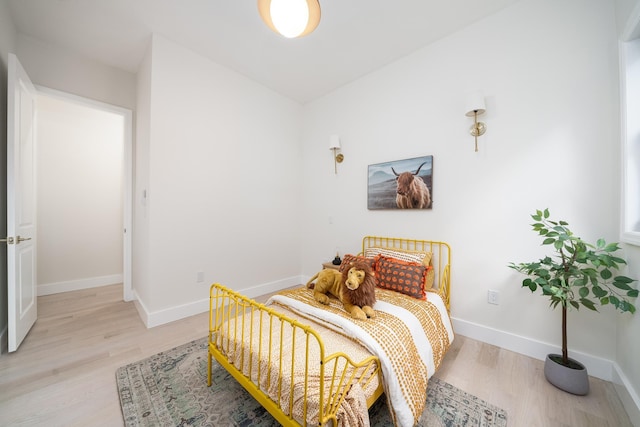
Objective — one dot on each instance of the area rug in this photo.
(170, 389)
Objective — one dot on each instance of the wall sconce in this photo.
(290, 18)
(475, 107)
(334, 144)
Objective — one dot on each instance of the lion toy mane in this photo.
(354, 287)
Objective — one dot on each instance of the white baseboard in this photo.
(628, 396)
(160, 317)
(141, 308)
(596, 366)
(76, 285)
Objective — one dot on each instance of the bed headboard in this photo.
(441, 258)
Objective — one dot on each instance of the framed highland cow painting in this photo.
(401, 184)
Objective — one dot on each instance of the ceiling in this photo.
(354, 37)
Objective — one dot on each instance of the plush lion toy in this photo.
(354, 287)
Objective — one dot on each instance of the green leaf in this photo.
(606, 274)
(541, 280)
(611, 247)
(588, 303)
(633, 293)
(546, 213)
(623, 279)
(580, 282)
(584, 292)
(548, 241)
(626, 306)
(600, 243)
(621, 285)
(575, 304)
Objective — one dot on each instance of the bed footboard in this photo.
(281, 362)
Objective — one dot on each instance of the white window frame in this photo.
(629, 52)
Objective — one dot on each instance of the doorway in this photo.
(84, 193)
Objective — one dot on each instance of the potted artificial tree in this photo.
(578, 274)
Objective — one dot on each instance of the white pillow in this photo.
(419, 257)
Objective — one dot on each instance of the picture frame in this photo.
(393, 185)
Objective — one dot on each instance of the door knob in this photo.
(11, 240)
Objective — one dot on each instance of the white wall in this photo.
(223, 180)
(80, 195)
(141, 280)
(548, 70)
(58, 68)
(627, 371)
(624, 9)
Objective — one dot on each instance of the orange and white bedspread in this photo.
(409, 336)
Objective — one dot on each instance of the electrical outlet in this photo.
(200, 276)
(493, 297)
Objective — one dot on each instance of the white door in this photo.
(21, 204)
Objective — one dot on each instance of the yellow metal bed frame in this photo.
(226, 334)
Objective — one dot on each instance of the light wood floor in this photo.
(64, 372)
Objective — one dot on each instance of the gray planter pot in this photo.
(573, 379)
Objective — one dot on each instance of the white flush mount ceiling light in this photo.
(290, 18)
